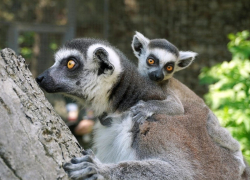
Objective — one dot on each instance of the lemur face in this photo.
(65, 74)
(84, 68)
(158, 58)
(158, 63)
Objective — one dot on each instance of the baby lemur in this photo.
(159, 60)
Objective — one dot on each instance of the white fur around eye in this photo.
(66, 53)
(163, 56)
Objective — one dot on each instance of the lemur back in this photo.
(180, 90)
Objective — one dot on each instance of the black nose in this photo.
(46, 82)
(39, 79)
(159, 76)
(156, 76)
(42, 78)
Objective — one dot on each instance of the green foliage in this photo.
(239, 45)
(26, 41)
(229, 90)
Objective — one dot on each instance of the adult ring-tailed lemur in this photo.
(163, 147)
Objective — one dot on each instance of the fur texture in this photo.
(163, 147)
(176, 90)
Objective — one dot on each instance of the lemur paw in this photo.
(85, 167)
(140, 112)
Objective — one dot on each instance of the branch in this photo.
(34, 140)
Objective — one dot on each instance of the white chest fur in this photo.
(113, 144)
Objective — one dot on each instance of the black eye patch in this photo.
(65, 61)
(169, 67)
(73, 72)
(156, 60)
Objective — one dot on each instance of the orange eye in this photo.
(71, 64)
(169, 68)
(151, 61)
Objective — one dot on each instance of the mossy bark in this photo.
(34, 140)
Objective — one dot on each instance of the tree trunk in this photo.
(34, 140)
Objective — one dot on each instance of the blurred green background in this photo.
(229, 90)
(214, 29)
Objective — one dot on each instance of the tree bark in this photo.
(34, 140)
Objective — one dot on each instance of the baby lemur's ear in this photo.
(185, 59)
(139, 44)
(102, 56)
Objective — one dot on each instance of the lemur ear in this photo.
(102, 56)
(185, 59)
(139, 44)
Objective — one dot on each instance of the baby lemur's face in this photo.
(158, 64)
(158, 58)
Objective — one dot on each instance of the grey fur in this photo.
(143, 110)
(163, 147)
(122, 95)
(164, 44)
(172, 105)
